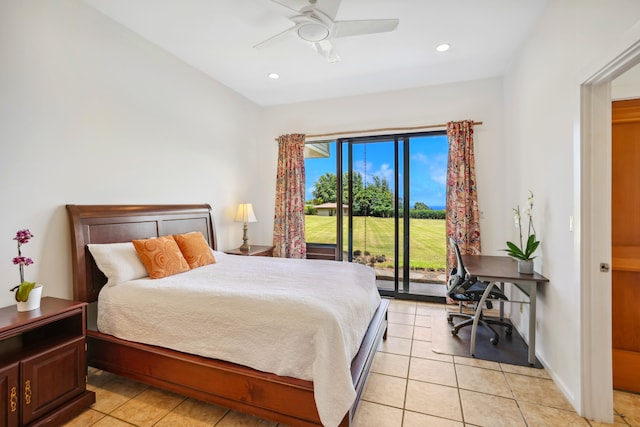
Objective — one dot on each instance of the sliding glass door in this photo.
(425, 163)
(394, 190)
(369, 230)
(381, 202)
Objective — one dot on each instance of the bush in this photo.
(427, 214)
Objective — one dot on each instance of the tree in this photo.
(357, 188)
(381, 197)
(325, 189)
(375, 199)
(419, 206)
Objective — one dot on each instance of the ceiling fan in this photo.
(319, 27)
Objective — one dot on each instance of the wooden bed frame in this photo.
(282, 399)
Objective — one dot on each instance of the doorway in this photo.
(625, 240)
(594, 240)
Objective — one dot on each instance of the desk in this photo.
(503, 269)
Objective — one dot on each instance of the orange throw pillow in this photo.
(195, 249)
(161, 256)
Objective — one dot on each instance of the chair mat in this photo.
(510, 349)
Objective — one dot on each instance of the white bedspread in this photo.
(297, 318)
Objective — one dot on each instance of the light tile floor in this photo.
(409, 386)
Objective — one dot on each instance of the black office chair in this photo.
(468, 289)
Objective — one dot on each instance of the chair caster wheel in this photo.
(450, 319)
(509, 332)
(494, 341)
(454, 332)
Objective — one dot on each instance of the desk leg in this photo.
(476, 318)
(533, 289)
(502, 302)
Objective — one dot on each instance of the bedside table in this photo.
(255, 250)
(43, 367)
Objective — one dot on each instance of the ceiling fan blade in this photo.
(293, 5)
(356, 28)
(326, 49)
(328, 7)
(277, 38)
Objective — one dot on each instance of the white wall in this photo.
(92, 114)
(479, 100)
(542, 123)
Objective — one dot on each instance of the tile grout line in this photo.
(455, 372)
(406, 383)
(524, 418)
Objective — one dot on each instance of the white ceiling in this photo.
(217, 38)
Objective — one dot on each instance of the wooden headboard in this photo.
(123, 223)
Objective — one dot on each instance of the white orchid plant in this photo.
(524, 252)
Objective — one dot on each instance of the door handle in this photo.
(27, 392)
(13, 399)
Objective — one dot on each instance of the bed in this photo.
(280, 398)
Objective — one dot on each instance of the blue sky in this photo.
(428, 167)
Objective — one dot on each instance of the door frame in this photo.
(592, 193)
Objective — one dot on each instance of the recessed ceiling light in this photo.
(274, 76)
(443, 47)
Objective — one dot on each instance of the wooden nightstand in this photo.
(43, 363)
(255, 250)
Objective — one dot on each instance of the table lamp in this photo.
(245, 215)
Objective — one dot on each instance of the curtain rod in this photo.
(320, 135)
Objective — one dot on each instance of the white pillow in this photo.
(119, 262)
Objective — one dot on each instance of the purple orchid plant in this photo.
(24, 288)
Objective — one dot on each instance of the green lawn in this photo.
(427, 247)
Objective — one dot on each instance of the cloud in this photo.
(435, 166)
(420, 158)
(366, 169)
(362, 167)
(385, 172)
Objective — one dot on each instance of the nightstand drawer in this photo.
(254, 250)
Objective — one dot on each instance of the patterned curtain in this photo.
(463, 219)
(288, 224)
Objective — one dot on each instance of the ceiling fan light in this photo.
(313, 32)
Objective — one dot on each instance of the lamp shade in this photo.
(245, 213)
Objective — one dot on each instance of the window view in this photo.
(321, 184)
(390, 212)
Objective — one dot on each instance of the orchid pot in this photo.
(33, 300)
(525, 266)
